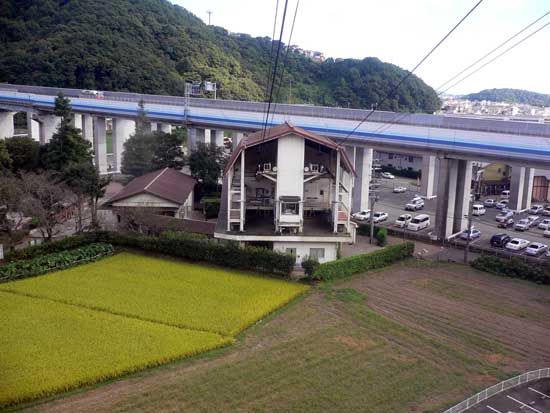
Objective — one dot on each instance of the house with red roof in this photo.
(288, 189)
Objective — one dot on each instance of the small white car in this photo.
(504, 216)
(415, 205)
(387, 175)
(544, 224)
(546, 233)
(536, 248)
(546, 211)
(379, 216)
(533, 220)
(419, 222)
(536, 209)
(522, 225)
(517, 244)
(489, 203)
(399, 189)
(478, 210)
(502, 204)
(474, 233)
(505, 194)
(361, 215)
(403, 220)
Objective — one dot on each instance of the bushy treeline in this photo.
(152, 46)
(514, 268)
(511, 96)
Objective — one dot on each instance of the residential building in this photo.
(290, 190)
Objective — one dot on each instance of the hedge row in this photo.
(514, 268)
(407, 173)
(69, 243)
(360, 263)
(56, 261)
(199, 248)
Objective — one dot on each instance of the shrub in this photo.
(310, 264)
(212, 209)
(361, 263)
(364, 229)
(55, 261)
(515, 268)
(382, 236)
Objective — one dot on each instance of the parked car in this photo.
(379, 216)
(504, 216)
(522, 225)
(500, 240)
(489, 203)
(361, 215)
(506, 223)
(536, 248)
(399, 189)
(478, 210)
(546, 211)
(419, 222)
(415, 204)
(536, 209)
(517, 244)
(505, 194)
(501, 204)
(403, 220)
(387, 175)
(472, 234)
(546, 233)
(544, 224)
(534, 220)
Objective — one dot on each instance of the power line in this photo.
(493, 50)
(496, 57)
(392, 92)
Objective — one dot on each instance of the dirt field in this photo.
(413, 338)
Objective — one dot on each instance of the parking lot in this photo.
(394, 205)
(532, 397)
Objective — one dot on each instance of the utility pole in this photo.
(290, 91)
(478, 172)
(209, 15)
(373, 200)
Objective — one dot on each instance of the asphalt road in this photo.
(394, 205)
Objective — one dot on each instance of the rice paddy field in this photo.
(121, 314)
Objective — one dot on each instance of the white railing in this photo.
(499, 388)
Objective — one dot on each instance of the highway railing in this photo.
(499, 388)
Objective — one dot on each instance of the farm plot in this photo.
(118, 315)
(48, 346)
(169, 292)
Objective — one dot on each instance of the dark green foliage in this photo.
(382, 236)
(62, 107)
(406, 173)
(167, 152)
(23, 152)
(206, 164)
(310, 265)
(151, 46)
(511, 96)
(200, 248)
(211, 207)
(68, 243)
(5, 158)
(361, 263)
(515, 268)
(66, 147)
(56, 261)
(364, 229)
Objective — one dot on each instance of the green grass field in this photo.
(121, 314)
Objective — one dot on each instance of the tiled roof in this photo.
(167, 183)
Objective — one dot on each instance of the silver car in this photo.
(536, 248)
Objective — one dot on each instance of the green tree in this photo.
(206, 164)
(62, 107)
(24, 153)
(11, 217)
(5, 158)
(137, 158)
(167, 151)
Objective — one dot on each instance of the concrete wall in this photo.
(303, 249)
(6, 124)
(290, 166)
(145, 200)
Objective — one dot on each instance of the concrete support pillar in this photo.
(463, 191)
(517, 188)
(363, 168)
(528, 187)
(6, 125)
(427, 183)
(48, 127)
(196, 136)
(33, 127)
(237, 138)
(100, 145)
(216, 137)
(445, 208)
(76, 120)
(164, 127)
(122, 129)
(88, 128)
(153, 126)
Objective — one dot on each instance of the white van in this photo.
(478, 210)
(419, 222)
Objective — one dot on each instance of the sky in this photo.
(403, 31)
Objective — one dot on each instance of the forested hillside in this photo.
(152, 46)
(511, 96)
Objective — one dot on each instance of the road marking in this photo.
(493, 409)
(524, 405)
(539, 392)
